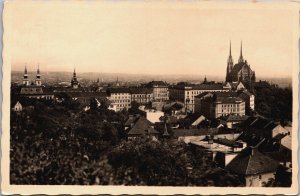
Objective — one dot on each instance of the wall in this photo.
(257, 180)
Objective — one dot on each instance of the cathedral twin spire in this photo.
(230, 61)
(37, 80)
(241, 59)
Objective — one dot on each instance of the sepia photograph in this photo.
(149, 97)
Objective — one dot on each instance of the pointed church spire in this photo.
(38, 69)
(241, 59)
(205, 80)
(38, 81)
(74, 81)
(25, 77)
(25, 72)
(229, 64)
(241, 48)
(230, 49)
(74, 73)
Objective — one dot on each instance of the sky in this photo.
(147, 37)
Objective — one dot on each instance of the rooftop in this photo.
(250, 162)
(142, 126)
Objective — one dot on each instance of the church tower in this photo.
(25, 78)
(229, 65)
(241, 59)
(38, 81)
(74, 81)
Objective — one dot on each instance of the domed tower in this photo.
(229, 65)
(38, 81)
(25, 77)
(74, 81)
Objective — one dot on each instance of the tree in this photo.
(134, 109)
(93, 104)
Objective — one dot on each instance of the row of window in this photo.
(142, 100)
(231, 110)
(119, 97)
(122, 105)
(122, 101)
(142, 95)
(121, 93)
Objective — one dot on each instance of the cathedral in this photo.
(37, 81)
(240, 72)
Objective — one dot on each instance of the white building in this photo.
(152, 115)
(18, 107)
(120, 98)
(186, 93)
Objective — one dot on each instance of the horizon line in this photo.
(148, 74)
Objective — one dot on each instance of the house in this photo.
(188, 135)
(233, 119)
(17, 107)
(130, 122)
(142, 127)
(174, 108)
(284, 159)
(253, 167)
(261, 127)
(193, 120)
(223, 150)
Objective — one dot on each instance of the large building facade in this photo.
(160, 91)
(120, 97)
(217, 104)
(239, 72)
(186, 93)
(141, 95)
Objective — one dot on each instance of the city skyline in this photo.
(151, 41)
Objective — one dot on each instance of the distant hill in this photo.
(58, 77)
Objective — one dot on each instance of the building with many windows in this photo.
(160, 91)
(141, 95)
(120, 97)
(217, 104)
(186, 93)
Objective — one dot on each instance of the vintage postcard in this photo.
(150, 97)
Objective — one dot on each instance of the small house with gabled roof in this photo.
(253, 167)
(142, 127)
